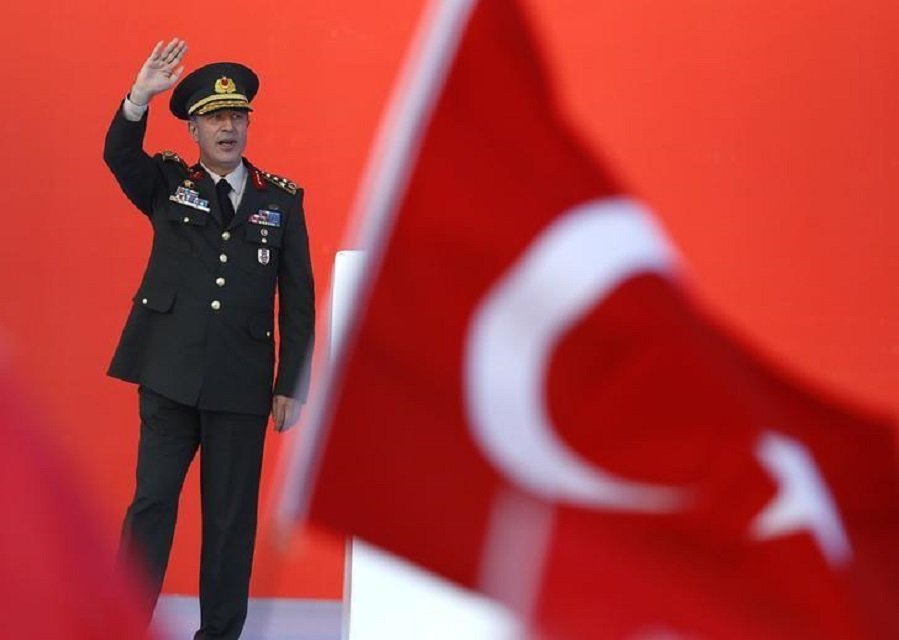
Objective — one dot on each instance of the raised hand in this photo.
(160, 72)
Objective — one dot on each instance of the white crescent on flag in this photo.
(567, 270)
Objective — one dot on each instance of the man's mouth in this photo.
(227, 144)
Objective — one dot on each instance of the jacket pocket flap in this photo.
(156, 298)
(267, 236)
(186, 215)
(261, 327)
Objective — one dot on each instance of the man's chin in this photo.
(230, 159)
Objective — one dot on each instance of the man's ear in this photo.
(192, 130)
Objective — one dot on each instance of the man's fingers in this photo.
(291, 414)
(168, 53)
(168, 57)
(177, 52)
(176, 59)
(154, 55)
(177, 74)
(278, 413)
(169, 47)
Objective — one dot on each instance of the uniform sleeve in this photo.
(296, 308)
(136, 172)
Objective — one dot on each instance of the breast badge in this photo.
(266, 218)
(190, 198)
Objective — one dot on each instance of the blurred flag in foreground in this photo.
(57, 577)
(528, 403)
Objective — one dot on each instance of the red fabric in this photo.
(643, 385)
(57, 579)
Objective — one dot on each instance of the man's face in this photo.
(221, 136)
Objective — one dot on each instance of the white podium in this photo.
(386, 598)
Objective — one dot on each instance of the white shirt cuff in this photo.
(133, 112)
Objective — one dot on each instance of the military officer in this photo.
(200, 337)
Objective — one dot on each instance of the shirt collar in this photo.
(236, 178)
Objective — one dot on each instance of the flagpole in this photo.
(383, 186)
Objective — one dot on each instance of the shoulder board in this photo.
(278, 181)
(171, 156)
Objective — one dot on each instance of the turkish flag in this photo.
(528, 402)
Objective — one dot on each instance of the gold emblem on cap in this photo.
(225, 85)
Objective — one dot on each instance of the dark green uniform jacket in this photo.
(201, 330)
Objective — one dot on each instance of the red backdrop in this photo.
(762, 133)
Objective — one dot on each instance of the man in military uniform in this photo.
(200, 337)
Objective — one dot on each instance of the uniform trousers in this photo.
(231, 446)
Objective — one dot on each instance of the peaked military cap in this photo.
(220, 85)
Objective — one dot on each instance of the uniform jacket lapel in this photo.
(252, 195)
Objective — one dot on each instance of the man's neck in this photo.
(218, 169)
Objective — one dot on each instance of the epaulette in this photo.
(196, 172)
(278, 181)
(171, 156)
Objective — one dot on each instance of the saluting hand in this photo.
(160, 72)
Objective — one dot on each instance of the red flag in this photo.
(57, 577)
(528, 403)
